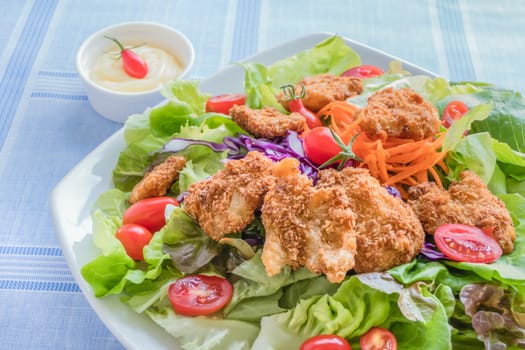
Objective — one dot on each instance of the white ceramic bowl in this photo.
(115, 105)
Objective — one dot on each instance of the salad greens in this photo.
(426, 304)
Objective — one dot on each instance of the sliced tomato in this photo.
(197, 295)
(378, 339)
(319, 145)
(223, 103)
(148, 212)
(134, 238)
(365, 71)
(466, 243)
(453, 111)
(325, 342)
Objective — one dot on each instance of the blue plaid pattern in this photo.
(47, 125)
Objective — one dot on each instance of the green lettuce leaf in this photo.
(332, 56)
(114, 271)
(474, 152)
(416, 316)
(184, 103)
(263, 83)
(203, 332)
(258, 87)
(458, 128)
(506, 121)
(254, 285)
(188, 246)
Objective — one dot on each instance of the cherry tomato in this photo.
(148, 212)
(453, 111)
(197, 295)
(326, 342)
(466, 243)
(134, 238)
(378, 339)
(319, 145)
(295, 104)
(366, 71)
(311, 119)
(223, 103)
(132, 63)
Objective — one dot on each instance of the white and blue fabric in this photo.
(47, 124)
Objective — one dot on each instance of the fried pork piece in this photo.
(226, 202)
(388, 231)
(157, 182)
(267, 122)
(399, 113)
(467, 202)
(307, 226)
(325, 88)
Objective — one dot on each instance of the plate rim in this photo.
(57, 194)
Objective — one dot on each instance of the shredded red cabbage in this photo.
(393, 191)
(276, 149)
(431, 252)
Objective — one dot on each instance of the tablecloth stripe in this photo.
(21, 62)
(52, 95)
(438, 38)
(29, 250)
(455, 43)
(58, 74)
(33, 268)
(246, 29)
(39, 286)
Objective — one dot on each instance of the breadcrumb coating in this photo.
(267, 122)
(323, 89)
(225, 203)
(467, 202)
(307, 226)
(157, 182)
(399, 113)
(388, 231)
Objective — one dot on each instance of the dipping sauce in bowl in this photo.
(108, 70)
(112, 92)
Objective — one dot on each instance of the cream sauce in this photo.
(109, 73)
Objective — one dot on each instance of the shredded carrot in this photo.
(343, 118)
(393, 161)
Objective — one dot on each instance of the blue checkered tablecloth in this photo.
(47, 124)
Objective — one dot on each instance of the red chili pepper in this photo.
(295, 104)
(132, 63)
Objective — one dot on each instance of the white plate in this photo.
(73, 197)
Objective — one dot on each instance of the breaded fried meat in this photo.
(158, 181)
(323, 89)
(307, 226)
(467, 202)
(399, 113)
(267, 122)
(225, 203)
(388, 232)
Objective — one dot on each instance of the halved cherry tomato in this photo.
(466, 243)
(197, 295)
(319, 145)
(223, 103)
(365, 71)
(325, 342)
(378, 339)
(453, 111)
(134, 238)
(148, 212)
